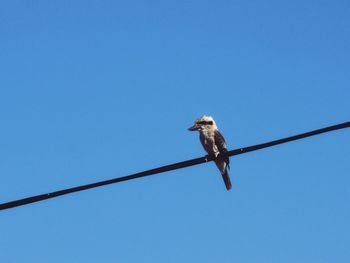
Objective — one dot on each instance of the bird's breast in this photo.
(208, 142)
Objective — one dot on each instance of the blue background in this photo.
(92, 90)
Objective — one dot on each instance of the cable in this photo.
(169, 167)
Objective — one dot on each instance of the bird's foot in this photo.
(210, 157)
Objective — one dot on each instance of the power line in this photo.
(169, 167)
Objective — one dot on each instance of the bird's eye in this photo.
(205, 123)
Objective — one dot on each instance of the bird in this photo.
(214, 144)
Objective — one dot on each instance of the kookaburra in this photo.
(214, 144)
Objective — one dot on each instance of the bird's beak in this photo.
(194, 128)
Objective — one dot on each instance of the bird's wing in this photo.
(221, 144)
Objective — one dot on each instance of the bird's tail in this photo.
(223, 167)
(227, 180)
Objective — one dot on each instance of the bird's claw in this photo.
(210, 157)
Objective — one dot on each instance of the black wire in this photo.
(169, 167)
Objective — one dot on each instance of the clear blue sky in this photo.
(92, 90)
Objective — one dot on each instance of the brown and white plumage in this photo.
(214, 144)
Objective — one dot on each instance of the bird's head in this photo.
(203, 123)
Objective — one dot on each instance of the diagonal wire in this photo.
(169, 167)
